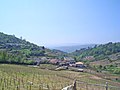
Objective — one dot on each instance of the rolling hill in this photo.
(18, 50)
(98, 52)
(104, 57)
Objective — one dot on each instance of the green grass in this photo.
(47, 66)
(13, 76)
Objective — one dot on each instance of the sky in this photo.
(61, 22)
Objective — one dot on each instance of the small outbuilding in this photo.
(54, 61)
(79, 64)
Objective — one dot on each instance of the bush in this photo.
(116, 71)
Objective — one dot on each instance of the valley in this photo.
(27, 66)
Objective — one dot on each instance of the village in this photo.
(61, 64)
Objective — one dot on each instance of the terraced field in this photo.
(17, 77)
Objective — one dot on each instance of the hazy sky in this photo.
(61, 22)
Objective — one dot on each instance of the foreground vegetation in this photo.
(17, 77)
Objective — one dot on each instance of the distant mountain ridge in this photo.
(73, 48)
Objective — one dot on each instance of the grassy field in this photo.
(17, 77)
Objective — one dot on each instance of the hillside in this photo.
(15, 50)
(98, 52)
(104, 57)
(72, 48)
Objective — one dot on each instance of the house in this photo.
(62, 68)
(63, 64)
(80, 70)
(54, 61)
(69, 60)
(72, 65)
(79, 64)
